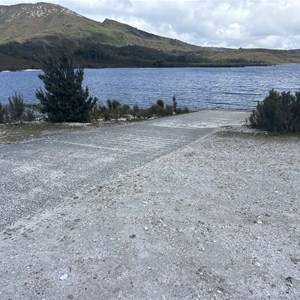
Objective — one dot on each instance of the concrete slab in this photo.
(41, 173)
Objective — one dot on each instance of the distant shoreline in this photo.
(156, 67)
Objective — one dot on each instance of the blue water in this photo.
(197, 88)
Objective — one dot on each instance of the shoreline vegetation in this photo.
(39, 128)
(18, 112)
(32, 124)
(64, 100)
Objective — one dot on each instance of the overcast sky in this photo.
(221, 23)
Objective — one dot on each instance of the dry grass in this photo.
(10, 133)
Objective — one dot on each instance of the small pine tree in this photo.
(64, 99)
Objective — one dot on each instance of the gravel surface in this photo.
(216, 218)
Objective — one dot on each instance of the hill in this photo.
(31, 31)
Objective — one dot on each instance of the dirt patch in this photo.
(218, 219)
(10, 133)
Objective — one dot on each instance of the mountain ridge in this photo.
(31, 31)
(40, 9)
(54, 18)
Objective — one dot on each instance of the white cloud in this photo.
(225, 23)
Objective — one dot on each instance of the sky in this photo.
(273, 24)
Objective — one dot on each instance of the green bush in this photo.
(95, 114)
(29, 115)
(278, 112)
(135, 111)
(2, 113)
(16, 108)
(5, 114)
(153, 110)
(160, 103)
(115, 110)
(184, 110)
(168, 110)
(125, 109)
(174, 104)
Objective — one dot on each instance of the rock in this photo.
(258, 220)
(256, 263)
(63, 277)
(296, 261)
(289, 281)
(132, 236)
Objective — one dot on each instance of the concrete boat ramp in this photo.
(40, 173)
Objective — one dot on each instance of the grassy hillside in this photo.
(32, 31)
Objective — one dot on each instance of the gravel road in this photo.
(212, 214)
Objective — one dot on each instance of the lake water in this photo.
(197, 88)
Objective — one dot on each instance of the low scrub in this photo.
(278, 112)
(2, 113)
(16, 111)
(114, 110)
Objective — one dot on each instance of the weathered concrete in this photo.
(40, 173)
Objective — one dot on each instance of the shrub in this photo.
(16, 108)
(114, 108)
(296, 112)
(29, 115)
(160, 107)
(113, 104)
(184, 110)
(174, 103)
(95, 114)
(168, 110)
(135, 110)
(106, 115)
(64, 100)
(153, 110)
(278, 112)
(160, 103)
(2, 113)
(125, 109)
(5, 114)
